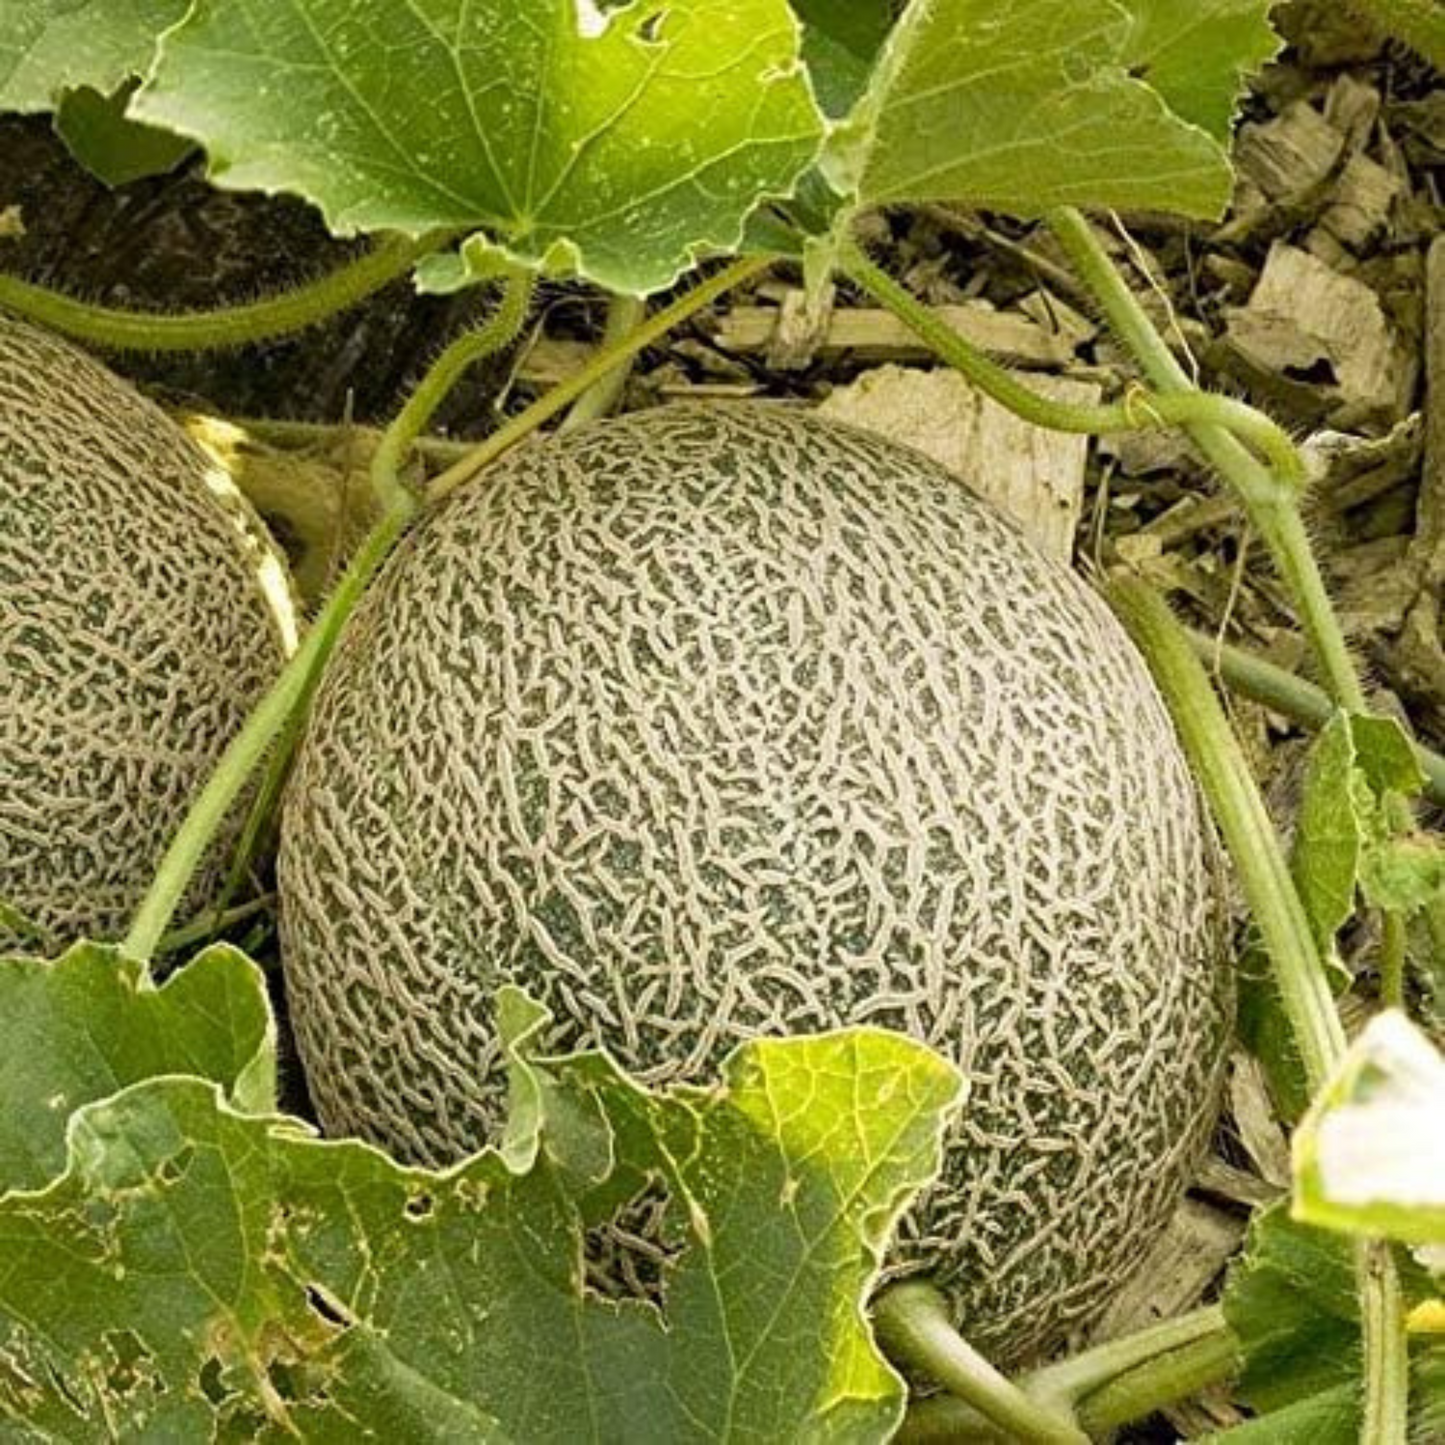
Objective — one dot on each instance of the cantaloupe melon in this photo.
(142, 613)
(710, 722)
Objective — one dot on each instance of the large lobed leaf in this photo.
(50, 46)
(624, 142)
(78, 1029)
(202, 1273)
(1054, 102)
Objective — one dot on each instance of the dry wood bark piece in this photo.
(873, 335)
(1036, 476)
(1290, 156)
(1318, 344)
(1360, 202)
(1259, 1130)
(801, 328)
(1420, 655)
(1176, 1273)
(1352, 107)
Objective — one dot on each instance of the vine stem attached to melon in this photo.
(1103, 1388)
(912, 1323)
(288, 696)
(1299, 970)
(1271, 500)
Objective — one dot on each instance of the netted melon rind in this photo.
(711, 721)
(135, 636)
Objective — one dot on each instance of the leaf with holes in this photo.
(198, 1273)
(622, 143)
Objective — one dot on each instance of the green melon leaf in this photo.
(1039, 104)
(1344, 847)
(1369, 1156)
(619, 141)
(1292, 1305)
(50, 46)
(198, 1273)
(1358, 768)
(841, 41)
(1198, 56)
(111, 146)
(76, 1030)
(1330, 839)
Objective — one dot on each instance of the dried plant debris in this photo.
(1317, 344)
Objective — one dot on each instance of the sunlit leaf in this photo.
(1369, 1156)
(622, 142)
(75, 1030)
(1028, 106)
(50, 46)
(201, 1274)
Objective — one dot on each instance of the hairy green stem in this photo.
(1138, 411)
(912, 1324)
(1293, 697)
(598, 366)
(1165, 1380)
(1392, 959)
(499, 330)
(294, 435)
(1386, 1345)
(1224, 774)
(1299, 971)
(623, 314)
(1296, 698)
(226, 326)
(1270, 499)
(211, 922)
(249, 746)
(1108, 1386)
(299, 677)
(1080, 1376)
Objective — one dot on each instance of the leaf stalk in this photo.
(1139, 411)
(911, 1320)
(226, 326)
(1270, 499)
(1299, 971)
(292, 690)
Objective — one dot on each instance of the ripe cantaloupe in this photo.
(710, 722)
(142, 614)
